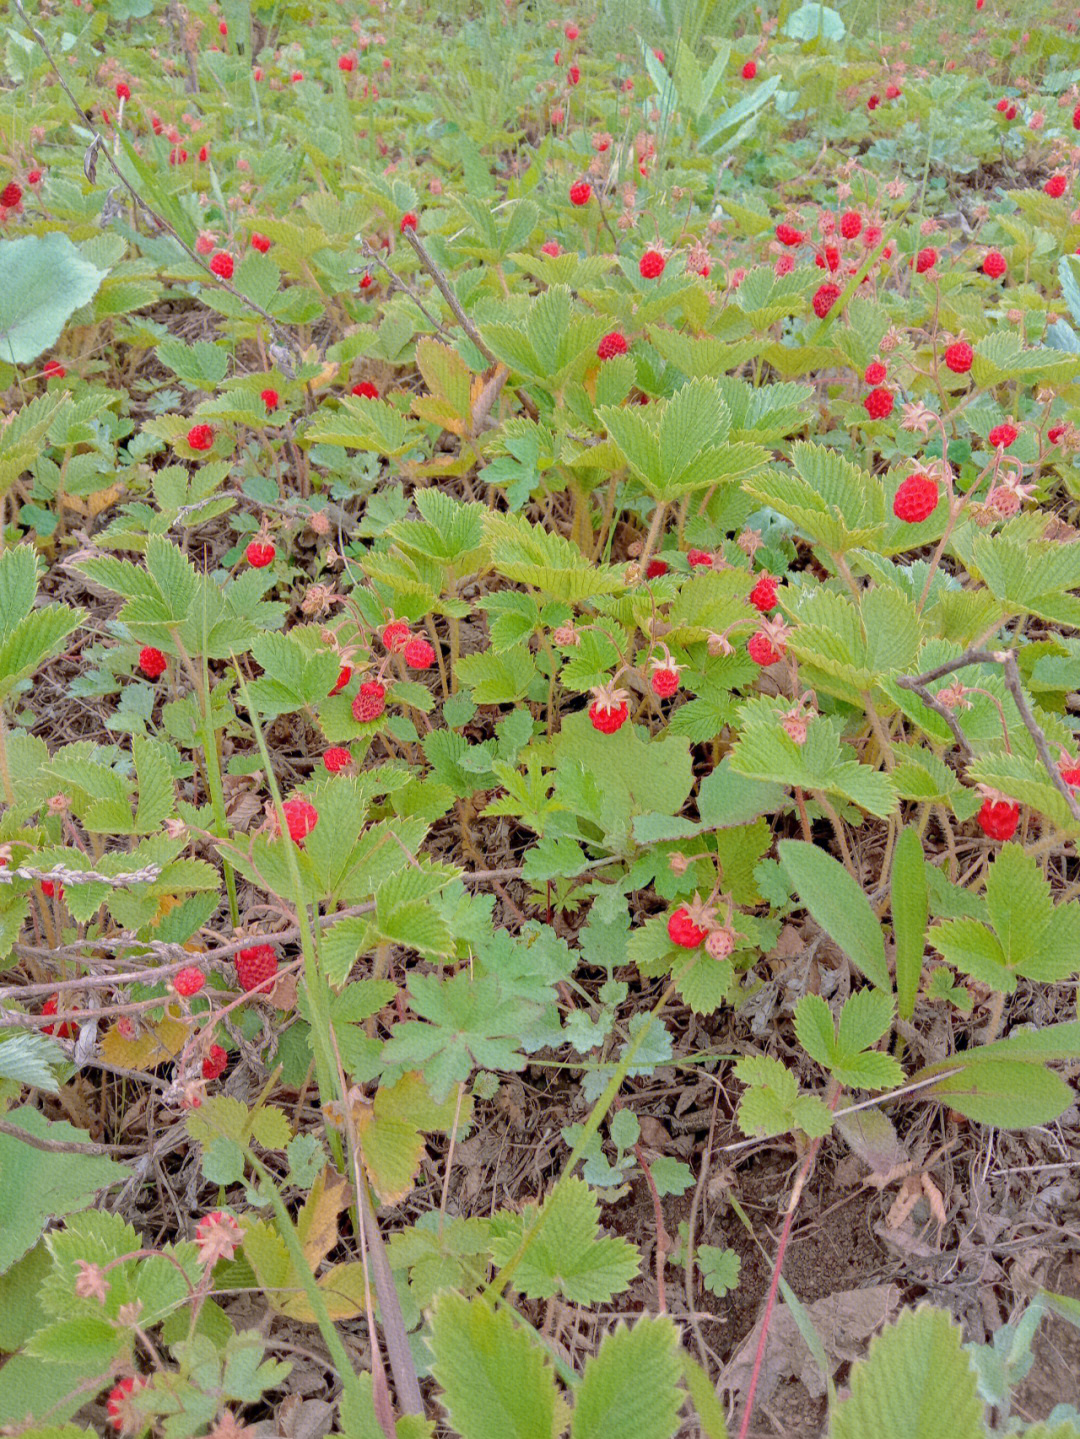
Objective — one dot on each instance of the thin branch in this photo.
(442, 284)
(1015, 688)
(65, 1146)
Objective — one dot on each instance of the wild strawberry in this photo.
(1076, 118)
(188, 982)
(51, 890)
(344, 676)
(959, 356)
(396, 635)
(785, 264)
(1070, 773)
(916, 499)
(683, 931)
(609, 710)
(296, 77)
(873, 102)
(256, 967)
(213, 1066)
(366, 390)
(222, 265)
(178, 155)
(580, 192)
(828, 259)
(301, 817)
(573, 74)
(892, 92)
(926, 260)
(64, 1030)
(825, 297)
(761, 651)
(409, 221)
(879, 404)
(260, 242)
(850, 224)
(655, 568)
(204, 155)
(651, 265)
(123, 1416)
(201, 437)
(366, 281)
(337, 759)
(1002, 436)
(270, 398)
(552, 248)
(998, 818)
(749, 70)
(763, 595)
(346, 63)
(1055, 433)
(994, 264)
(259, 555)
(205, 243)
(788, 235)
(370, 701)
(699, 559)
(152, 662)
(612, 345)
(875, 373)
(33, 177)
(123, 90)
(664, 679)
(1001, 106)
(571, 32)
(222, 28)
(418, 654)
(11, 195)
(1055, 186)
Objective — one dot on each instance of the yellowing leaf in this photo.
(317, 1222)
(343, 1288)
(153, 1044)
(392, 1148)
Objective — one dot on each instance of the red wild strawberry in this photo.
(123, 90)
(346, 63)
(370, 702)
(1010, 113)
(296, 77)
(925, 260)
(651, 265)
(552, 248)
(270, 398)
(366, 390)
(655, 569)
(761, 651)
(1071, 775)
(763, 595)
(256, 967)
(33, 177)
(683, 931)
(994, 264)
(916, 499)
(998, 818)
(850, 224)
(156, 124)
(222, 28)
(580, 192)
(11, 196)
(213, 1066)
(344, 676)
(395, 635)
(301, 817)
(892, 92)
(152, 662)
(612, 345)
(1076, 118)
(177, 155)
(785, 264)
(65, 1030)
(574, 75)
(1001, 106)
(1055, 433)
(879, 404)
(337, 759)
(788, 235)
(825, 297)
(259, 555)
(571, 32)
(53, 370)
(749, 70)
(875, 373)
(664, 681)
(260, 242)
(873, 102)
(829, 259)
(188, 982)
(607, 718)
(1002, 436)
(1054, 187)
(418, 654)
(222, 265)
(204, 155)
(959, 356)
(205, 242)
(201, 437)
(699, 559)
(123, 1416)
(409, 221)
(51, 889)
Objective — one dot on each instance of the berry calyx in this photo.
(152, 662)
(998, 818)
(255, 968)
(418, 654)
(370, 702)
(683, 931)
(959, 357)
(188, 982)
(916, 499)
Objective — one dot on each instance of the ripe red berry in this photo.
(418, 654)
(366, 281)
(1054, 434)
(655, 569)
(892, 92)
(608, 718)
(259, 555)
(761, 651)
(213, 1066)
(296, 76)
(260, 242)
(580, 192)
(177, 155)
(50, 888)
(573, 74)
(64, 1030)
(123, 90)
(395, 635)
(366, 390)
(301, 817)
(788, 235)
(651, 265)
(873, 102)
(409, 221)
(53, 370)
(370, 701)
(699, 559)
(879, 404)
(959, 356)
(763, 595)
(552, 248)
(994, 264)
(337, 759)
(222, 28)
(201, 437)
(998, 818)
(875, 373)
(204, 155)
(33, 177)
(256, 967)
(683, 931)
(1002, 436)
(850, 224)
(916, 499)
(749, 70)
(270, 398)
(122, 1416)
(346, 63)
(11, 195)
(926, 260)
(664, 682)
(188, 981)
(222, 265)
(825, 297)
(612, 345)
(1055, 186)
(1071, 775)
(828, 259)
(344, 676)
(571, 32)
(152, 662)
